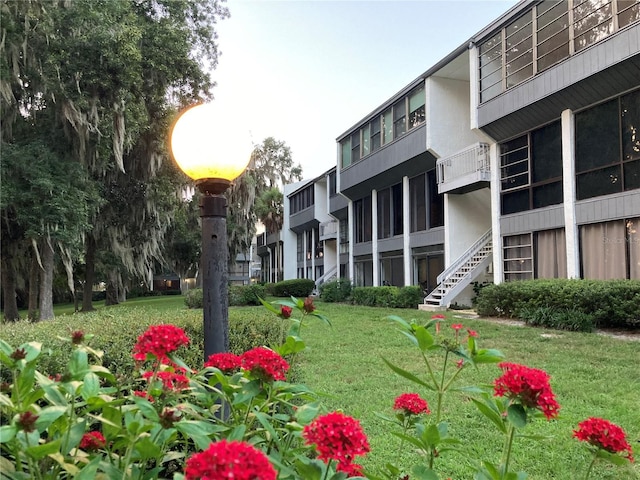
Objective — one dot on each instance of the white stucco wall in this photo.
(447, 115)
(467, 217)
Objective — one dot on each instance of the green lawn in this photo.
(592, 375)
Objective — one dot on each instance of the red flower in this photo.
(171, 381)
(605, 435)
(351, 469)
(529, 386)
(142, 394)
(460, 363)
(27, 421)
(337, 437)
(438, 316)
(411, 403)
(457, 326)
(224, 459)
(77, 337)
(226, 362)
(308, 305)
(472, 333)
(92, 441)
(285, 312)
(168, 417)
(159, 340)
(19, 354)
(265, 363)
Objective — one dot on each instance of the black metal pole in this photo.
(215, 253)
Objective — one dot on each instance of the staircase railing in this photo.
(464, 258)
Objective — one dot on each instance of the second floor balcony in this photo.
(328, 230)
(464, 171)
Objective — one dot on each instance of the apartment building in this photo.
(516, 156)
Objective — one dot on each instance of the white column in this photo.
(569, 191)
(304, 254)
(350, 225)
(374, 238)
(498, 275)
(313, 254)
(474, 86)
(406, 231)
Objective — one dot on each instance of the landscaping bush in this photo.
(610, 303)
(298, 287)
(193, 298)
(390, 297)
(336, 290)
(116, 333)
(573, 320)
(243, 295)
(410, 296)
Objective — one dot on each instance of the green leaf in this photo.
(431, 436)
(407, 375)
(32, 350)
(307, 412)
(291, 346)
(237, 433)
(264, 421)
(488, 355)
(310, 469)
(38, 452)
(146, 408)
(611, 457)
(48, 415)
(491, 414)
(195, 432)
(425, 339)
(422, 472)
(79, 363)
(517, 415)
(401, 321)
(146, 448)
(89, 471)
(5, 401)
(269, 306)
(321, 317)
(7, 433)
(91, 386)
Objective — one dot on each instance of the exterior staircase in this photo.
(461, 273)
(329, 275)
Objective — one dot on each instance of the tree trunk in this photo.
(34, 277)
(112, 290)
(122, 290)
(9, 291)
(89, 274)
(46, 281)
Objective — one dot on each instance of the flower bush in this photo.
(240, 416)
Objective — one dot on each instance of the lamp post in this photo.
(212, 154)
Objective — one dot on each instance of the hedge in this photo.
(336, 290)
(609, 303)
(298, 287)
(394, 297)
(117, 330)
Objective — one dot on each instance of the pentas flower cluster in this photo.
(264, 363)
(171, 381)
(529, 386)
(224, 459)
(225, 362)
(159, 341)
(92, 441)
(603, 434)
(411, 404)
(285, 312)
(337, 437)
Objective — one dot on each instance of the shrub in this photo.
(610, 303)
(336, 290)
(117, 333)
(243, 295)
(298, 287)
(560, 319)
(193, 298)
(364, 296)
(410, 296)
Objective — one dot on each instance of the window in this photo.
(362, 217)
(363, 270)
(428, 264)
(399, 119)
(550, 254)
(355, 146)
(436, 202)
(392, 269)
(531, 170)
(553, 32)
(375, 134)
(301, 200)
(300, 246)
(387, 127)
(519, 50)
(518, 263)
(390, 211)
(418, 199)
(397, 209)
(608, 147)
(611, 250)
(491, 67)
(332, 183)
(346, 152)
(416, 107)
(344, 236)
(562, 28)
(366, 135)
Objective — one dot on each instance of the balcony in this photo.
(464, 171)
(328, 230)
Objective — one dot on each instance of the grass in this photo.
(591, 375)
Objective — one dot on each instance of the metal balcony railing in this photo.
(463, 168)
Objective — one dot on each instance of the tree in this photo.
(270, 209)
(271, 166)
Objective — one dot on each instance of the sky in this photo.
(305, 71)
